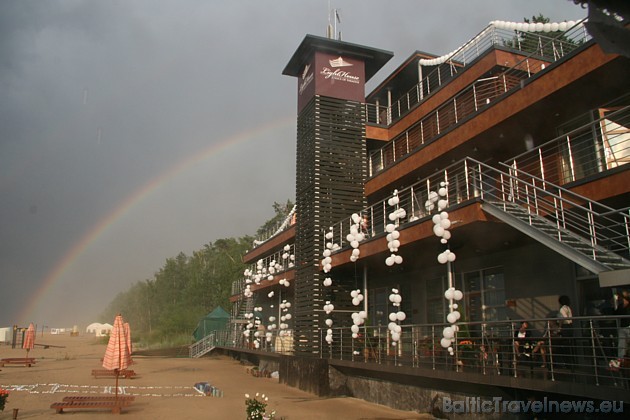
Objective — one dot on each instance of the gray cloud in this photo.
(101, 99)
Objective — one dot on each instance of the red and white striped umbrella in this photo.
(128, 340)
(29, 339)
(117, 352)
(117, 356)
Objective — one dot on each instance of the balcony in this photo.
(587, 152)
(577, 359)
(549, 46)
(477, 96)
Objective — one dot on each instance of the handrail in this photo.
(201, 346)
(469, 179)
(580, 352)
(548, 48)
(580, 153)
(271, 265)
(581, 349)
(278, 228)
(467, 102)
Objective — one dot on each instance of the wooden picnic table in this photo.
(25, 361)
(113, 405)
(124, 399)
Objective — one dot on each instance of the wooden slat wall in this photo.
(331, 171)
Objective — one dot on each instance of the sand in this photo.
(163, 389)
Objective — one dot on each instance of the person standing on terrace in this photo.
(623, 332)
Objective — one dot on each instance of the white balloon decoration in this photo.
(392, 237)
(395, 317)
(329, 307)
(441, 224)
(355, 236)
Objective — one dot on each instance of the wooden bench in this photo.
(26, 361)
(123, 399)
(49, 345)
(104, 373)
(114, 406)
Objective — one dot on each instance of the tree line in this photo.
(186, 288)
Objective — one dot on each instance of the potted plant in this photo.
(256, 409)
(4, 394)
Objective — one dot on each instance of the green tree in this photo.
(186, 288)
(281, 210)
(546, 44)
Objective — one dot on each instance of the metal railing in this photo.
(588, 150)
(471, 100)
(272, 260)
(585, 351)
(278, 228)
(535, 44)
(600, 226)
(202, 346)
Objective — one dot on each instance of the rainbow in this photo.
(133, 200)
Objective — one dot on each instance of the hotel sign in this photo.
(335, 76)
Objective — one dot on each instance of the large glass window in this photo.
(615, 136)
(379, 306)
(590, 148)
(484, 296)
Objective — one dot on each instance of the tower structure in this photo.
(331, 164)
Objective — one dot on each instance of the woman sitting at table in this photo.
(528, 345)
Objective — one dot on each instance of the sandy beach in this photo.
(163, 389)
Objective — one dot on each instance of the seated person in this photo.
(521, 346)
(526, 345)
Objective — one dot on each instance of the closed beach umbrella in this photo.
(117, 355)
(29, 339)
(128, 340)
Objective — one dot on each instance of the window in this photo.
(484, 296)
(616, 137)
(379, 306)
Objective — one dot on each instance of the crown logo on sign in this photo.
(339, 62)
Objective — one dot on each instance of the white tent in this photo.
(98, 329)
(6, 335)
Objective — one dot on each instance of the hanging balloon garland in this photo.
(330, 246)
(255, 324)
(328, 308)
(287, 256)
(355, 237)
(327, 266)
(441, 225)
(395, 317)
(359, 317)
(392, 233)
(284, 318)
